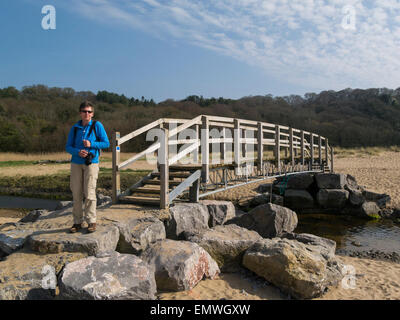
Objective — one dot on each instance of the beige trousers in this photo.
(83, 183)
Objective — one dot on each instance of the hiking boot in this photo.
(75, 228)
(91, 228)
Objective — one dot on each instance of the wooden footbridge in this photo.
(215, 154)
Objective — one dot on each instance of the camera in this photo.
(89, 158)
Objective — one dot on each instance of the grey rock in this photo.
(370, 210)
(332, 198)
(33, 216)
(298, 199)
(266, 198)
(64, 205)
(326, 247)
(300, 181)
(179, 265)
(297, 268)
(262, 188)
(113, 277)
(103, 200)
(381, 199)
(356, 197)
(26, 275)
(13, 239)
(186, 217)
(219, 211)
(268, 220)
(137, 234)
(226, 244)
(52, 241)
(330, 180)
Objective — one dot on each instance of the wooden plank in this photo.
(220, 124)
(184, 152)
(312, 149)
(205, 149)
(116, 179)
(260, 147)
(236, 144)
(184, 126)
(220, 119)
(243, 142)
(164, 170)
(291, 146)
(269, 131)
(326, 152)
(221, 140)
(277, 147)
(331, 159)
(302, 147)
(320, 149)
(140, 131)
(223, 143)
(140, 200)
(138, 184)
(182, 141)
(196, 151)
(136, 157)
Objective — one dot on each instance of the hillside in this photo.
(38, 118)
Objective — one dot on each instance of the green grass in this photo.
(15, 163)
(56, 187)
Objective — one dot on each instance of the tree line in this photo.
(38, 118)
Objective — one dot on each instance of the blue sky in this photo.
(172, 49)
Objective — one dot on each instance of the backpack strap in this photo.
(92, 127)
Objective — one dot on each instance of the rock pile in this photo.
(327, 193)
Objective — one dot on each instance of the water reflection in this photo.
(351, 233)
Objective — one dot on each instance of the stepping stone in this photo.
(53, 241)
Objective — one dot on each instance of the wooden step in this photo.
(140, 200)
(157, 182)
(174, 174)
(147, 190)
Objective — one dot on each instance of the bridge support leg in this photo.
(194, 191)
(116, 181)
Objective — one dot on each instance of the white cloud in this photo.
(302, 41)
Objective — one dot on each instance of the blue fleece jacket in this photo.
(82, 133)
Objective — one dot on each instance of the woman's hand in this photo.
(83, 153)
(86, 143)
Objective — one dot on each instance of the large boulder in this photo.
(226, 244)
(53, 241)
(381, 199)
(268, 220)
(330, 180)
(186, 217)
(296, 268)
(111, 276)
(179, 265)
(298, 199)
(138, 233)
(26, 275)
(299, 181)
(266, 198)
(219, 211)
(370, 210)
(332, 198)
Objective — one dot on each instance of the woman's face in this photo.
(86, 114)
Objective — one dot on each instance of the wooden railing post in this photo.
(223, 146)
(291, 146)
(311, 150)
(302, 147)
(277, 147)
(236, 145)
(320, 149)
(116, 180)
(244, 144)
(196, 151)
(164, 170)
(331, 159)
(205, 149)
(260, 147)
(326, 152)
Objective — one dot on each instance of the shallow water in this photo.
(351, 233)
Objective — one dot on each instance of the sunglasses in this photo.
(86, 111)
